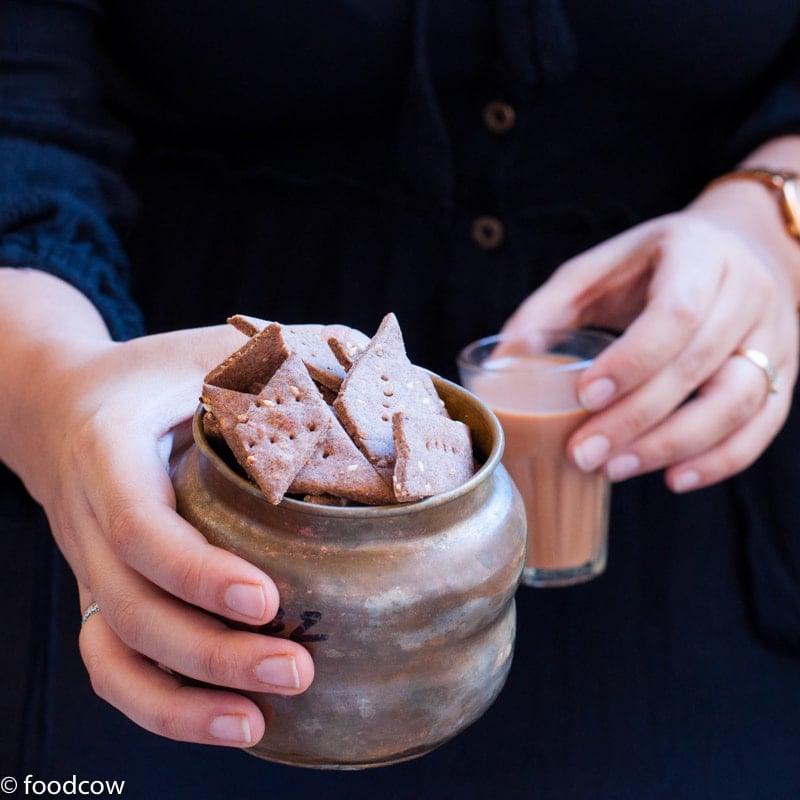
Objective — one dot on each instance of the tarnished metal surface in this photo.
(408, 610)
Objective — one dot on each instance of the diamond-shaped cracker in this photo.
(283, 428)
(250, 367)
(339, 468)
(382, 381)
(433, 455)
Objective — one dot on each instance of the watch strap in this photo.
(783, 185)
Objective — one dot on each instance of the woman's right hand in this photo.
(91, 428)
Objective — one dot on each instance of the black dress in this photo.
(332, 161)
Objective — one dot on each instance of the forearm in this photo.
(753, 211)
(65, 386)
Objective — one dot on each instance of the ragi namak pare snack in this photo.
(326, 414)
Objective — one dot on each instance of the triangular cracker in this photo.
(224, 408)
(433, 455)
(339, 468)
(310, 343)
(381, 382)
(227, 406)
(283, 428)
(247, 325)
(253, 364)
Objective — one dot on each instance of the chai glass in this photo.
(529, 381)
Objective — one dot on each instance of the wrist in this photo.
(753, 203)
(781, 184)
(47, 329)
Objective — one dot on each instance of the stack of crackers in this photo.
(330, 415)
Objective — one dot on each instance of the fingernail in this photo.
(279, 671)
(589, 454)
(231, 728)
(622, 467)
(246, 599)
(597, 394)
(685, 481)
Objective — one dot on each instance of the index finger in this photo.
(686, 276)
(569, 296)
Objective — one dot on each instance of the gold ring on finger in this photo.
(764, 364)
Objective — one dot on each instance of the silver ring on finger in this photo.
(90, 612)
(764, 364)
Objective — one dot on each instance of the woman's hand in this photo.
(92, 441)
(690, 292)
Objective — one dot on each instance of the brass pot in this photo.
(408, 610)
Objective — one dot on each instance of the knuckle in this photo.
(683, 308)
(216, 661)
(690, 366)
(100, 677)
(749, 404)
(100, 683)
(122, 525)
(189, 578)
(671, 225)
(664, 450)
(88, 440)
(629, 368)
(166, 721)
(639, 360)
(761, 287)
(80, 444)
(748, 401)
(129, 622)
(636, 419)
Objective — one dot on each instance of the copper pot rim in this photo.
(448, 390)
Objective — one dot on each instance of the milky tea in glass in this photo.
(529, 382)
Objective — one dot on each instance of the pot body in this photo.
(407, 610)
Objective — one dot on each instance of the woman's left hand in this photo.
(674, 391)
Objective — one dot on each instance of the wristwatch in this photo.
(782, 184)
